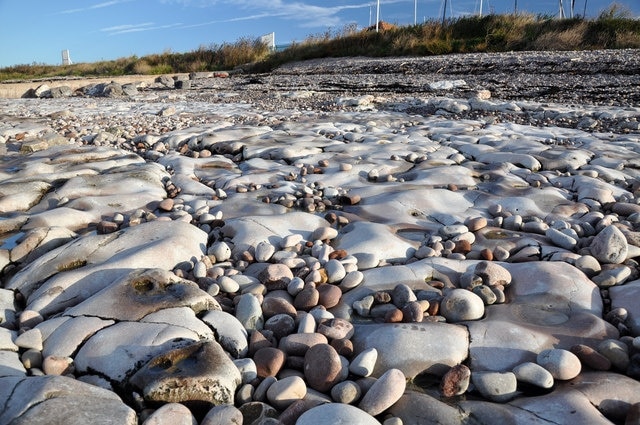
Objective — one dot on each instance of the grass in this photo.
(614, 28)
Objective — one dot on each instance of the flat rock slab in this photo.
(50, 399)
(73, 272)
(414, 348)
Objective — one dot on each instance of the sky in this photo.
(36, 31)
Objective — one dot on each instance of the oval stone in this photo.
(284, 392)
(533, 374)
(562, 364)
(384, 392)
(322, 367)
(459, 305)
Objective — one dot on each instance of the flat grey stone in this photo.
(58, 399)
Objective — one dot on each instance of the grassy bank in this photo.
(613, 29)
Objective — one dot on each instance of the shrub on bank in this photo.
(613, 29)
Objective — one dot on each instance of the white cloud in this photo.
(94, 6)
(129, 28)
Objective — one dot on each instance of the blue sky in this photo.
(36, 31)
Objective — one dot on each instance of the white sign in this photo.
(269, 40)
(66, 58)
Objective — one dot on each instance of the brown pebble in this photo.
(476, 223)
(329, 295)
(412, 312)
(349, 199)
(322, 367)
(307, 298)
(105, 227)
(381, 297)
(462, 247)
(436, 284)
(166, 204)
(343, 346)
(393, 316)
(276, 305)
(590, 357)
(338, 254)
(434, 308)
(486, 254)
(452, 187)
(269, 361)
(259, 340)
(455, 381)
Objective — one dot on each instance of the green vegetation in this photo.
(613, 29)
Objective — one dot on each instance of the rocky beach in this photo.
(417, 240)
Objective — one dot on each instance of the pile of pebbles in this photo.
(214, 252)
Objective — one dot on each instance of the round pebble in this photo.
(347, 392)
(322, 367)
(616, 351)
(307, 298)
(269, 361)
(329, 295)
(456, 381)
(562, 364)
(495, 386)
(284, 392)
(459, 305)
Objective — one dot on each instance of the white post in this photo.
(481, 8)
(415, 12)
(378, 16)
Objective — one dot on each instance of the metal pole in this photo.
(444, 11)
(481, 8)
(573, 6)
(378, 16)
(515, 8)
(415, 12)
(584, 14)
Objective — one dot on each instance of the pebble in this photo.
(590, 357)
(335, 413)
(461, 305)
(495, 386)
(609, 246)
(172, 413)
(269, 361)
(384, 392)
(456, 381)
(533, 374)
(282, 393)
(364, 363)
(347, 392)
(617, 352)
(562, 364)
(322, 367)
